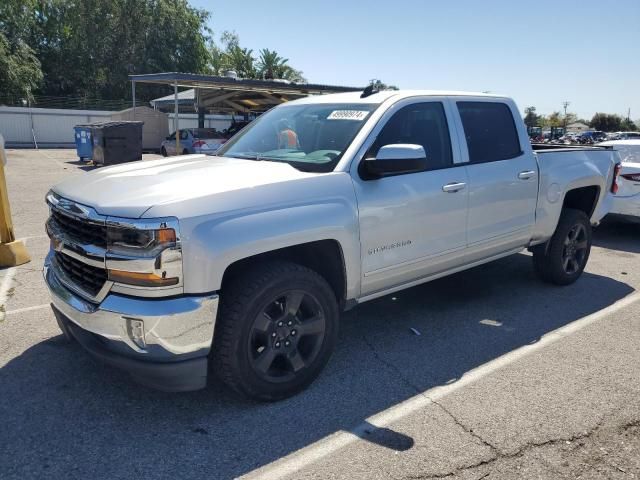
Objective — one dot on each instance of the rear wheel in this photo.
(185, 152)
(565, 257)
(276, 330)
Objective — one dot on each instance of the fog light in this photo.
(135, 330)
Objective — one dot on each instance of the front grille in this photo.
(82, 231)
(88, 278)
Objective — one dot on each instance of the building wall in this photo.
(54, 127)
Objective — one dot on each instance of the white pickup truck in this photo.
(240, 264)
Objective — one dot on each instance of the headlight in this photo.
(145, 242)
(144, 253)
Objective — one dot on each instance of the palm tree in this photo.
(271, 65)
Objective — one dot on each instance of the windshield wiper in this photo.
(245, 156)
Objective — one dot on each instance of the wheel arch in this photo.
(325, 257)
(582, 198)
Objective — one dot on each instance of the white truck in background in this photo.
(240, 264)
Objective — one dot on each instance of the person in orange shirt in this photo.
(287, 138)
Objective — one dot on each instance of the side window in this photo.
(184, 134)
(490, 131)
(420, 124)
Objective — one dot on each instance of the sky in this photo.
(540, 52)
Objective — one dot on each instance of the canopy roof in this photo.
(230, 94)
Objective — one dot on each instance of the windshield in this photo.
(309, 137)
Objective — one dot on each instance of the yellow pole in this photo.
(12, 252)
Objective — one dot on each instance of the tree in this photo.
(380, 85)
(554, 120)
(20, 72)
(241, 61)
(570, 118)
(628, 126)
(606, 122)
(269, 65)
(531, 119)
(88, 48)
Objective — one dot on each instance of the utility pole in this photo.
(565, 104)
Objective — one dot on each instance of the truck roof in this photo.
(377, 98)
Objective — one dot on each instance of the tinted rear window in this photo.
(490, 131)
(206, 133)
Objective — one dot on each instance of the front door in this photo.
(411, 224)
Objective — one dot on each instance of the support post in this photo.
(133, 95)
(12, 252)
(200, 108)
(175, 117)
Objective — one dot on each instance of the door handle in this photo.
(453, 187)
(526, 175)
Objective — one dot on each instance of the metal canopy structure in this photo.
(235, 95)
(229, 94)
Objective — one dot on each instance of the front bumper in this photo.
(178, 333)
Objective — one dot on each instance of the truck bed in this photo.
(545, 147)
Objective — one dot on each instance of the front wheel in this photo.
(277, 328)
(163, 151)
(565, 257)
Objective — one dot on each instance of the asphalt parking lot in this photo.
(509, 378)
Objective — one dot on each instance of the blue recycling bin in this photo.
(84, 144)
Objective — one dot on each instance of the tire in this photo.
(567, 253)
(260, 350)
(163, 151)
(185, 152)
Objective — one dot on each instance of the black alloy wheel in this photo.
(286, 336)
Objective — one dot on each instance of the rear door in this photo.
(503, 176)
(414, 224)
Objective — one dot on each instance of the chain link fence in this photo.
(72, 103)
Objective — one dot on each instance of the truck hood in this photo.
(130, 189)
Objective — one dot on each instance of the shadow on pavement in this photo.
(65, 415)
(83, 165)
(618, 235)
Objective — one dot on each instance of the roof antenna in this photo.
(370, 90)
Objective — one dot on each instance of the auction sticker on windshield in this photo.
(358, 115)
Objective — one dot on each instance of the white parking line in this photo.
(28, 309)
(7, 280)
(302, 458)
(5, 285)
(33, 237)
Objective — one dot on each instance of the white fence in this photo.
(49, 127)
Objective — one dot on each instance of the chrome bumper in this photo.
(175, 329)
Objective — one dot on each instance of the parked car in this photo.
(626, 201)
(240, 264)
(193, 140)
(626, 136)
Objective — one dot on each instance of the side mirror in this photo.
(395, 159)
